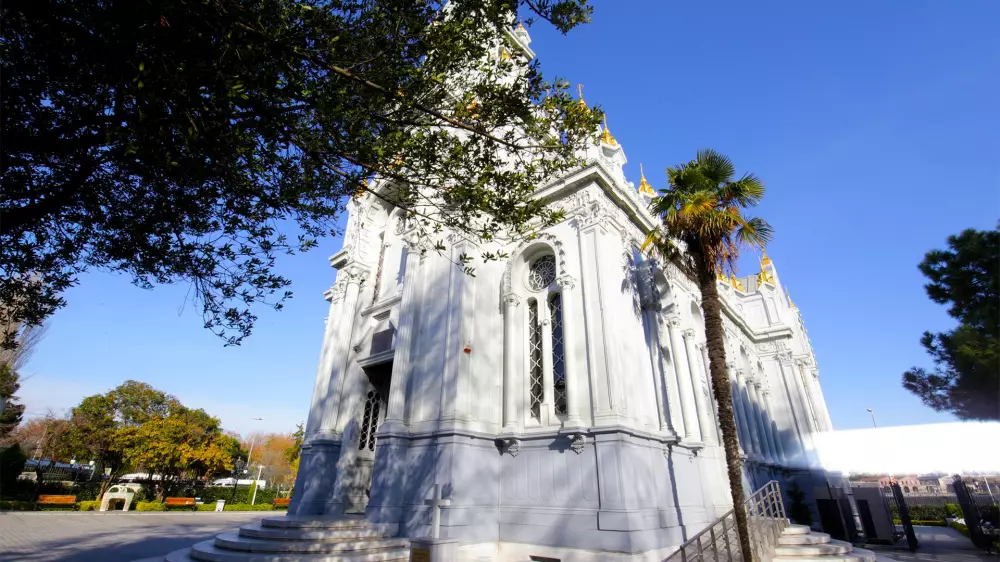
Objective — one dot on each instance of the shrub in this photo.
(931, 523)
(248, 507)
(953, 509)
(150, 506)
(88, 505)
(16, 505)
(959, 527)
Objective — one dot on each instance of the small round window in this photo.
(542, 273)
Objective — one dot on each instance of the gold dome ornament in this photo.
(765, 260)
(504, 54)
(580, 103)
(644, 186)
(719, 275)
(764, 277)
(606, 137)
(735, 282)
(361, 189)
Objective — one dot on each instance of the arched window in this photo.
(545, 345)
(535, 369)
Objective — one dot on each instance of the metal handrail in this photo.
(719, 542)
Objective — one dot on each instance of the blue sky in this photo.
(873, 124)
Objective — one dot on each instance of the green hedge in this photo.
(238, 507)
(243, 494)
(150, 506)
(932, 523)
(926, 512)
(89, 505)
(959, 527)
(16, 505)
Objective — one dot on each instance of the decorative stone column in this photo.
(707, 363)
(402, 362)
(663, 405)
(758, 415)
(749, 413)
(742, 425)
(700, 397)
(569, 327)
(800, 387)
(772, 431)
(511, 302)
(688, 408)
(354, 275)
(321, 388)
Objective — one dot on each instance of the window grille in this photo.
(558, 353)
(369, 423)
(542, 273)
(535, 359)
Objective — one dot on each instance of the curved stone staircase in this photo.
(798, 543)
(301, 539)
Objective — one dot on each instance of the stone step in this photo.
(850, 557)
(794, 529)
(315, 522)
(811, 538)
(833, 547)
(207, 551)
(233, 541)
(259, 531)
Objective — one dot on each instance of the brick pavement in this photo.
(109, 536)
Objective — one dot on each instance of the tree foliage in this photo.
(966, 377)
(197, 141)
(702, 231)
(12, 410)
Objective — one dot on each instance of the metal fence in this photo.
(720, 542)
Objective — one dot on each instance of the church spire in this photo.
(580, 102)
(644, 186)
(606, 136)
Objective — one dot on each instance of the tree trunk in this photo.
(715, 337)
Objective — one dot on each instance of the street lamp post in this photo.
(872, 412)
(253, 439)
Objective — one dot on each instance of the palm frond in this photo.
(745, 192)
(755, 233)
(716, 167)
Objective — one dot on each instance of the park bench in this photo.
(282, 502)
(61, 501)
(180, 502)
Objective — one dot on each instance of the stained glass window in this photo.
(542, 273)
(558, 353)
(535, 359)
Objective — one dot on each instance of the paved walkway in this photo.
(936, 544)
(109, 536)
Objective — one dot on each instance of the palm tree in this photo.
(702, 232)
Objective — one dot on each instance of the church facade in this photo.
(560, 398)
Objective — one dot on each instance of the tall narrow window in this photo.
(558, 353)
(378, 273)
(369, 422)
(535, 359)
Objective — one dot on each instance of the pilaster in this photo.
(689, 409)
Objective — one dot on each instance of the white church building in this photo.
(560, 399)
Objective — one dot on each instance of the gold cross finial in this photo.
(644, 186)
(580, 102)
(606, 137)
(765, 260)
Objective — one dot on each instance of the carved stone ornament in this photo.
(577, 442)
(566, 281)
(355, 274)
(511, 445)
(511, 299)
(516, 254)
(674, 320)
(688, 333)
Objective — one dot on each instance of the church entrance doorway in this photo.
(373, 410)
